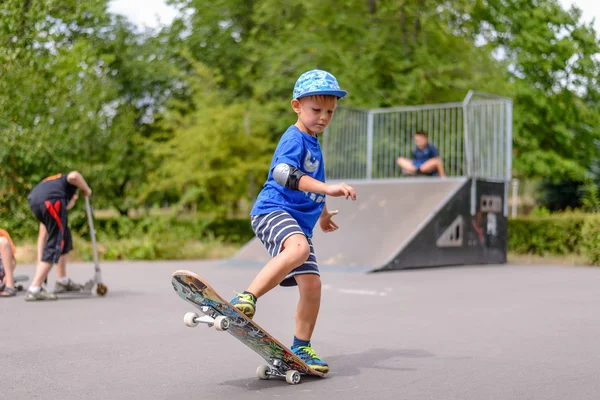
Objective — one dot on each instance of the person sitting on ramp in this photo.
(426, 158)
(49, 201)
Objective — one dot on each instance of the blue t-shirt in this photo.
(429, 152)
(302, 151)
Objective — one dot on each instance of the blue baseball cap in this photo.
(317, 82)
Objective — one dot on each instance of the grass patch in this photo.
(533, 259)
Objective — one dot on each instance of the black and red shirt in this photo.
(53, 187)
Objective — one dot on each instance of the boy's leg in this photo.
(63, 282)
(49, 239)
(41, 242)
(36, 292)
(8, 263)
(309, 286)
(48, 214)
(406, 165)
(295, 251)
(441, 171)
(61, 267)
(7, 267)
(286, 243)
(434, 164)
(41, 272)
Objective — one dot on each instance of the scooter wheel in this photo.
(101, 289)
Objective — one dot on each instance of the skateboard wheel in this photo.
(292, 377)
(189, 319)
(101, 289)
(221, 323)
(263, 371)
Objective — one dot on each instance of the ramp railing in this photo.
(474, 138)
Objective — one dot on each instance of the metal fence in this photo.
(474, 138)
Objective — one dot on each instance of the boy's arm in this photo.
(327, 224)
(308, 184)
(76, 179)
(287, 173)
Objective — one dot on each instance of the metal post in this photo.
(469, 151)
(370, 145)
(508, 149)
(473, 196)
(515, 196)
(88, 210)
(467, 144)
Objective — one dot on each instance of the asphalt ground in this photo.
(485, 332)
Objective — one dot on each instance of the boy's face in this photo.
(314, 113)
(421, 141)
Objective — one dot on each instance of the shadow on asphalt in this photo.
(343, 365)
(93, 296)
(391, 360)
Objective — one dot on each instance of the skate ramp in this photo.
(376, 227)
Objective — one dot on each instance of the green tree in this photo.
(79, 90)
(553, 69)
(217, 154)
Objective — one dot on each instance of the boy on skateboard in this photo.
(290, 204)
(49, 201)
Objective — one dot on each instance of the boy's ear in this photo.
(296, 106)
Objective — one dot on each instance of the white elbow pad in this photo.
(287, 175)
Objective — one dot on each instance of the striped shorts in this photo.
(272, 230)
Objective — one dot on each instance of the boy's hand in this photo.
(88, 192)
(327, 225)
(341, 189)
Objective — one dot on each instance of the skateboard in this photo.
(18, 279)
(223, 316)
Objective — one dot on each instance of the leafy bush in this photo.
(152, 228)
(590, 233)
(146, 249)
(556, 234)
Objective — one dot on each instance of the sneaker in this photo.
(308, 355)
(40, 296)
(69, 287)
(246, 303)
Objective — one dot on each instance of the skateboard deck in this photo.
(221, 314)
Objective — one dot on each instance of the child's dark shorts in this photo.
(272, 230)
(53, 214)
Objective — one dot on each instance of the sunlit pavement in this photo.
(491, 332)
